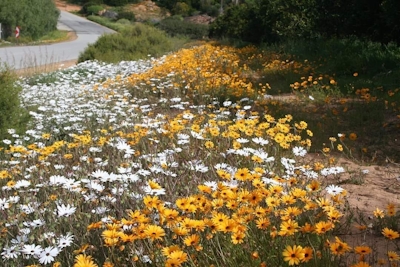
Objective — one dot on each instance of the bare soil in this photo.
(64, 6)
(148, 10)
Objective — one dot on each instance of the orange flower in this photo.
(293, 255)
(308, 254)
(322, 227)
(192, 240)
(339, 247)
(389, 233)
(362, 250)
(353, 136)
(393, 256)
(154, 232)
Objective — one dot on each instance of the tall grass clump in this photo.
(109, 23)
(133, 43)
(12, 115)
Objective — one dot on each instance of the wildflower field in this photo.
(188, 160)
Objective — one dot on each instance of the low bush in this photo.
(94, 10)
(133, 43)
(124, 22)
(109, 23)
(12, 115)
(87, 5)
(175, 27)
(126, 15)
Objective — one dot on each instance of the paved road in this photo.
(30, 56)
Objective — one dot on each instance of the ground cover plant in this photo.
(52, 37)
(132, 43)
(11, 113)
(178, 161)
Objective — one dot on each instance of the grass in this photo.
(131, 44)
(11, 113)
(52, 37)
(354, 86)
(184, 161)
(134, 42)
(109, 23)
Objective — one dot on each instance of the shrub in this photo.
(86, 6)
(124, 21)
(181, 8)
(175, 26)
(241, 22)
(35, 17)
(126, 15)
(213, 11)
(12, 115)
(109, 23)
(94, 9)
(116, 2)
(133, 43)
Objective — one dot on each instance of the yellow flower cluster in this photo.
(239, 212)
(204, 70)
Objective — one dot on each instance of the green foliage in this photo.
(109, 23)
(185, 7)
(175, 27)
(134, 43)
(346, 56)
(20, 40)
(116, 2)
(87, 8)
(12, 115)
(34, 17)
(181, 8)
(279, 20)
(126, 15)
(83, 2)
(242, 22)
(94, 10)
(124, 22)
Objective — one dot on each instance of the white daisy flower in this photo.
(260, 141)
(299, 151)
(48, 254)
(4, 204)
(334, 190)
(66, 211)
(10, 253)
(65, 240)
(31, 250)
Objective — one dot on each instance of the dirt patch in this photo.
(148, 10)
(46, 68)
(200, 19)
(369, 186)
(64, 6)
(372, 186)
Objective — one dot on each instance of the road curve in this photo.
(87, 32)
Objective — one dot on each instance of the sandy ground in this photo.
(64, 6)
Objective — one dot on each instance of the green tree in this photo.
(34, 17)
(266, 20)
(390, 16)
(116, 2)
